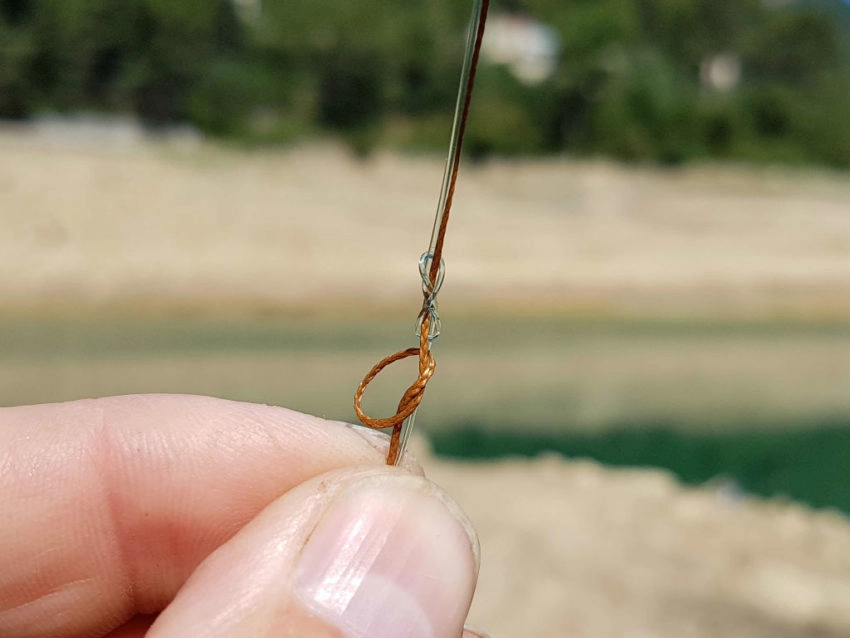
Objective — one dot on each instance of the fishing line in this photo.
(431, 265)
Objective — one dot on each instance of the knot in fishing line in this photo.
(430, 289)
(428, 329)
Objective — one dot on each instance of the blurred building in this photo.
(721, 73)
(527, 47)
(249, 9)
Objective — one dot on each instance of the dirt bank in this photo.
(139, 225)
(573, 550)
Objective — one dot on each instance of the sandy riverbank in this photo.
(574, 550)
(144, 226)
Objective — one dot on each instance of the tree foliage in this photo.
(629, 81)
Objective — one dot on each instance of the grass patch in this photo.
(809, 464)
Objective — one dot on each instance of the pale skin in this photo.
(176, 516)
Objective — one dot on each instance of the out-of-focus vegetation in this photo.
(630, 81)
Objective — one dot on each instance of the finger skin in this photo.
(251, 587)
(137, 627)
(108, 505)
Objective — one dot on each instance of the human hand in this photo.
(178, 516)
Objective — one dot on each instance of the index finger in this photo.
(110, 504)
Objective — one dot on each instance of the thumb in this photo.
(357, 553)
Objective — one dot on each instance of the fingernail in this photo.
(391, 558)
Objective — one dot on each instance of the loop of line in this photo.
(411, 398)
(429, 288)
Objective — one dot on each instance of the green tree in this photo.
(16, 53)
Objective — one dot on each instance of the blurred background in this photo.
(648, 266)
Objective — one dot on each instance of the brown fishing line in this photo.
(413, 395)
